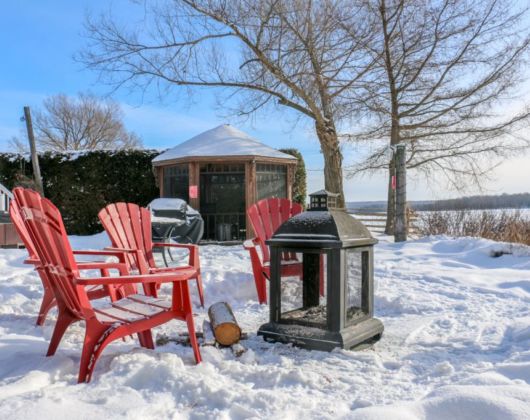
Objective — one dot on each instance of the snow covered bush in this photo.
(299, 184)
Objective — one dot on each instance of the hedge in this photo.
(80, 184)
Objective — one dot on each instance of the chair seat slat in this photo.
(137, 307)
(119, 314)
(157, 302)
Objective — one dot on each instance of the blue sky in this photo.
(39, 38)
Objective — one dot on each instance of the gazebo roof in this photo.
(221, 141)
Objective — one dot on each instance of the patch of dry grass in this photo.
(503, 226)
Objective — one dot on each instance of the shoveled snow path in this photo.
(456, 344)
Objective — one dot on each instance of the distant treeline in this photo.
(475, 202)
(480, 202)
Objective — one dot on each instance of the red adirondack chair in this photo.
(266, 216)
(129, 228)
(48, 299)
(135, 314)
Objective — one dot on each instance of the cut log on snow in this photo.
(208, 339)
(224, 324)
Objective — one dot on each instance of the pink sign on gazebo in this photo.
(193, 192)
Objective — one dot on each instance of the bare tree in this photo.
(18, 145)
(297, 54)
(445, 73)
(82, 123)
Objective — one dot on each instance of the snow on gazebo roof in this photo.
(223, 140)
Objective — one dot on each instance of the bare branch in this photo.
(84, 123)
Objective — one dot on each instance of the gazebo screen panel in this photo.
(222, 199)
(271, 181)
(176, 181)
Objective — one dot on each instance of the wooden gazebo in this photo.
(222, 172)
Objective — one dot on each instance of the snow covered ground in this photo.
(456, 346)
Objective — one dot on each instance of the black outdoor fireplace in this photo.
(333, 245)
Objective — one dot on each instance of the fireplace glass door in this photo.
(357, 272)
(300, 301)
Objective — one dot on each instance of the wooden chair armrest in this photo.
(250, 243)
(193, 250)
(98, 252)
(171, 269)
(110, 252)
(174, 245)
(98, 265)
(32, 261)
(120, 250)
(150, 278)
(141, 262)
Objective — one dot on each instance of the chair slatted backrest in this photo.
(20, 227)
(46, 228)
(129, 226)
(266, 216)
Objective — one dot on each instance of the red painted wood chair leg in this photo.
(146, 339)
(184, 292)
(261, 287)
(92, 346)
(264, 290)
(48, 302)
(140, 339)
(193, 338)
(151, 289)
(149, 339)
(64, 320)
(200, 289)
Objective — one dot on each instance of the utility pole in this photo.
(400, 223)
(34, 157)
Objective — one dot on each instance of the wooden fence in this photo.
(5, 198)
(375, 220)
(8, 234)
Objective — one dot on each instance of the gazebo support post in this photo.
(250, 192)
(160, 179)
(290, 180)
(194, 179)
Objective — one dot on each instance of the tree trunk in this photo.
(391, 203)
(329, 143)
(392, 171)
(401, 228)
(33, 149)
(396, 205)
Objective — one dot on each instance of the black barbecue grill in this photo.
(173, 220)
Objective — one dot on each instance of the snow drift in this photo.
(456, 345)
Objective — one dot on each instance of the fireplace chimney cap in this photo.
(323, 200)
(319, 229)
